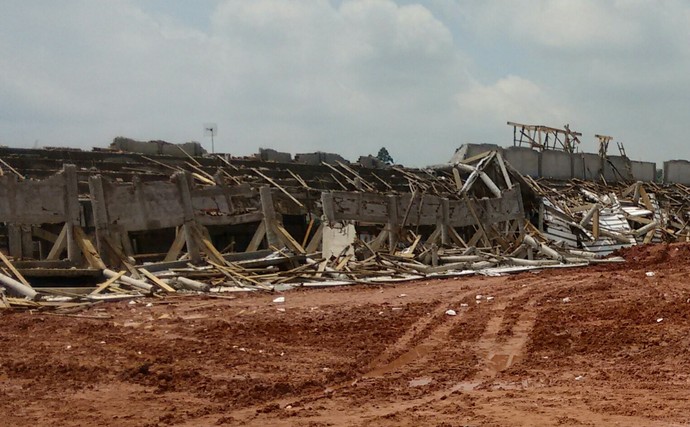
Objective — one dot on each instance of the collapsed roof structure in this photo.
(123, 223)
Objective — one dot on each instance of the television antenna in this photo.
(211, 129)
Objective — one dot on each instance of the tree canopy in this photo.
(385, 156)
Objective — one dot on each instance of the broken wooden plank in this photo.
(14, 271)
(90, 253)
(156, 281)
(105, 285)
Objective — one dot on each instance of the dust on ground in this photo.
(605, 345)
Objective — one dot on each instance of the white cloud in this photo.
(512, 97)
(345, 76)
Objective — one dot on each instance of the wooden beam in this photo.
(278, 187)
(59, 246)
(210, 250)
(14, 271)
(156, 281)
(103, 286)
(258, 237)
(176, 247)
(315, 240)
(44, 234)
(287, 239)
(87, 248)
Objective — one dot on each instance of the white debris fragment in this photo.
(451, 313)
(579, 378)
(279, 300)
(650, 274)
(659, 320)
(566, 300)
(149, 304)
(464, 305)
(402, 295)
(132, 302)
(479, 297)
(489, 298)
(281, 309)
(69, 347)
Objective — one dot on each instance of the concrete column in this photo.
(72, 214)
(100, 216)
(393, 231)
(182, 180)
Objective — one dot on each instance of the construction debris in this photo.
(238, 226)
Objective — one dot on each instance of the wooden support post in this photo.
(182, 181)
(14, 271)
(316, 240)
(269, 216)
(176, 247)
(258, 237)
(287, 239)
(458, 179)
(72, 212)
(59, 245)
(87, 248)
(206, 244)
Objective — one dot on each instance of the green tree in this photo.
(385, 156)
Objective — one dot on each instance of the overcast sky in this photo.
(418, 77)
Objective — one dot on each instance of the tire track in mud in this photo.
(429, 332)
(496, 353)
(501, 345)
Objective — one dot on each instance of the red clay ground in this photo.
(606, 345)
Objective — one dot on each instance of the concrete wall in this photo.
(524, 159)
(643, 171)
(586, 166)
(556, 165)
(271, 155)
(622, 169)
(560, 165)
(318, 158)
(677, 171)
(158, 147)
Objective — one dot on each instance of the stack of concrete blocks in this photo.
(318, 158)
(271, 155)
(370, 162)
(153, 148)
(192, 148)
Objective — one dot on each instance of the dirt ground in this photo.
(605, 345)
